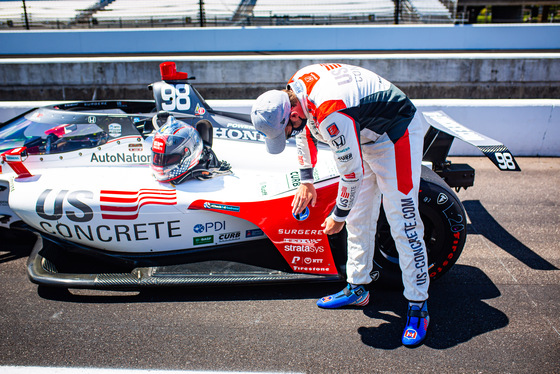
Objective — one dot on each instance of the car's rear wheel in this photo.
(445, 231)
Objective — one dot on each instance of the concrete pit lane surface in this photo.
(496, 311)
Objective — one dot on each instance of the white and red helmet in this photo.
(176, 149)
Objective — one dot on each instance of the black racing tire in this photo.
(445, 232)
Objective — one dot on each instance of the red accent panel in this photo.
(312, 146)
(303, 244)
(357, 135)
(169, 72)
(403, 164)
(14, 158)
(327, 108)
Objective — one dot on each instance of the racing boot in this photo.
(416, 324)
(348, 296)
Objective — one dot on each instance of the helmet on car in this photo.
(176, 149)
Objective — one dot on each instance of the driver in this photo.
(377, 141)
(179, 153)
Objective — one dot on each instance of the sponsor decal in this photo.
(200, 240)
(306, 232)
(229, 237)
(303, 241)
(126, 204)
(303, 215)
(230, 208)
(343, 150)
(158, 145)
(339, 142)
(238, 134)
(135, 147)
(345, 158)
(347, 197)
(333, 130)
(442, 198)
(263, 189)
(92, 119)
(208, 226)
(297, 86)
(410, 334)
(239, 126)
(306, 261)
(350, 176)
(73, 206)
(304, 248)
(310, 79)
(115, 130)
(120, 158)
(294, 180)
(311, 269)
(456, 237)
(114, 233)
(199, 111)
(254, 233)
(414, 241)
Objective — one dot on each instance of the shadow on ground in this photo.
(457, 309)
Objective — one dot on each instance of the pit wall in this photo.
(518, 61)
(513, 37)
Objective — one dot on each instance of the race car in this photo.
(79, 177)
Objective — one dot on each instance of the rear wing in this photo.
(439, 138)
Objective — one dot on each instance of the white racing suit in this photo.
(377, 141)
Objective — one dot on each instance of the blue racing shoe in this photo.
(416, 325)
(348, 296)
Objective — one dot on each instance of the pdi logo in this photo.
(209, 226)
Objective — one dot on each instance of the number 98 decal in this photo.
(505, 161)
(176, 97)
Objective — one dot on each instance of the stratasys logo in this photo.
(303, 245)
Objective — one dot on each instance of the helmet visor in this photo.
(161, 159)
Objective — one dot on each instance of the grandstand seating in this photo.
(41, 12)
(430, 10)
(184, 13)
(377, 9)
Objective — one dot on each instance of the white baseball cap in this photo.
(270, 115)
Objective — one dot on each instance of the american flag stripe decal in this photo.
(125, 205)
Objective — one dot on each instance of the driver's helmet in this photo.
(176, 149)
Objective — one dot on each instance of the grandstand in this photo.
(44, 13)
(198, 13)
(429, 11)
(323, 11)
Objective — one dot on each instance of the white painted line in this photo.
(65, 370)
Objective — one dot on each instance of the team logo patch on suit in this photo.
(333, 130)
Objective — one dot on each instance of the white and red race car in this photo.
(77, 176)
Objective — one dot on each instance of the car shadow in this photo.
(15, 244)
(458, 312)
(482, 223)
